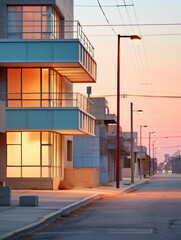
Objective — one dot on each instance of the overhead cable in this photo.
(106, 17)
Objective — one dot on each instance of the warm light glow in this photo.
(14, 86)
(31, 84)
(34, 154)
(31, 141)
(135, 38)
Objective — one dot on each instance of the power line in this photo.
(143, 35)
(106, 17)
(141, 96)
(132, 24)
(114, 6)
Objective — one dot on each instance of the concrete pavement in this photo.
(16, 220)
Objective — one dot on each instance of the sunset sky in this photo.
(150, 67)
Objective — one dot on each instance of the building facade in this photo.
(43, 52)
(95, 157)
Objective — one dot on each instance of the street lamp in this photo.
(154, 155)
(132, 143)
(157, 148)
(134, 38)
(141, 167)
(150, 152)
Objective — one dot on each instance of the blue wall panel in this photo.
(33, 51)
(53, 118)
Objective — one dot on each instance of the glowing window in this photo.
(13, 155)
(31, 172)
(31, 87)
(13, 172)
(14, 87)
(13, 138)
(30, 148)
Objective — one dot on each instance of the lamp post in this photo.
(134, 38)
(141, 167)
(132, 143)
(157, 148)
(154, 155)
(150, 151)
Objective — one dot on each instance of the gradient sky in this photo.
(151, 67)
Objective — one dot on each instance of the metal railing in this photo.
(35, 29)
(48, 99)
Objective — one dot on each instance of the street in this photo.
(151, 212)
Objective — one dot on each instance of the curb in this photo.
(134, 187)
(47, 219)
(63, 211)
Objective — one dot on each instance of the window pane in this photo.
(46, 155)
(55, 150)
(59, 150)
(14, 87)
(46, 172)
(31, 8)
(45, 137)
(14, 155)
(13, 138)
(31, 87)
(45, 87)
(13, 172)
(30, 171)
(14, 8)
(30, 148)
(69, 151)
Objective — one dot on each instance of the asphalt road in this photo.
(152, 212)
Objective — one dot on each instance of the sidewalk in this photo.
(16, 220)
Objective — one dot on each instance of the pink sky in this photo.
(150, 67)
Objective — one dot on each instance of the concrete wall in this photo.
(82, 177)
(34, 183)
(86, 151)
(100, 105)
(2, 116)
(92, 152)
(2, 157)
(66, 8)
(126, 172)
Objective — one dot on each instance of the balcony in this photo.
(65, 113)
(37, 44)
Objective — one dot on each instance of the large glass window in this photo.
(14, 87)
(31, 87)
(34, 87)
(34, 154)
(33, 22)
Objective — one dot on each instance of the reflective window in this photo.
(35, 87)
(33, 22)
(14, 87)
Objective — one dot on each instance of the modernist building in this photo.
(95, 157)
(42, 53)
(126, 169)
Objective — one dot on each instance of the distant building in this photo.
(126, 165)
(95, 157)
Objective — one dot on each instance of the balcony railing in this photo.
(48, 99)
(35, 29)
